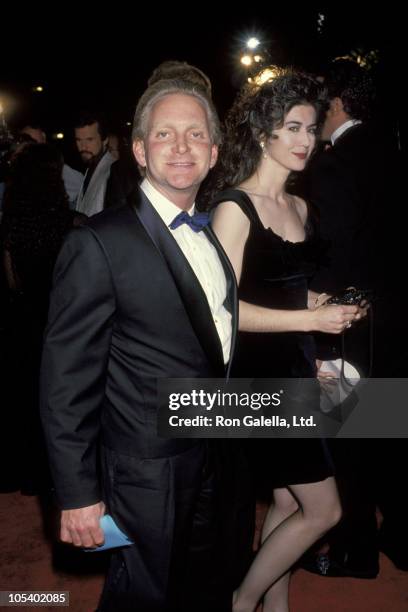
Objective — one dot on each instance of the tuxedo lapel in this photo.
(231, 303)
(191, 292)
(344, 136)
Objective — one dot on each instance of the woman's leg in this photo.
(312, 510)
(284, 505)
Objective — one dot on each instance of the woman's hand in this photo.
(332, 319)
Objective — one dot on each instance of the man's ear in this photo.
(336, 106)
(139, 152)
(214, 155)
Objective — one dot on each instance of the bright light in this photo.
(128, 123)
(246, 60)
(252, 43)
(258, 58)
(268, 74)
(38, 88)
(8, 105)
(365, 59)
(58, 136)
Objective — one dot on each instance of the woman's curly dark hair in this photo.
(36, 207)
(255, 114)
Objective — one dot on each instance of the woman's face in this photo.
(292, 144)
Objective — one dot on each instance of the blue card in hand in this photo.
(114, 537)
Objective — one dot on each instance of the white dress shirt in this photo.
(92, 201)
(203, 259)
(343, 128)
(73, 182)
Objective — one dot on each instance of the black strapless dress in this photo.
(275, 274)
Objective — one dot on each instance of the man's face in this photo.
(36, 134)
(89, 142)
(333, 118)
(177, 151)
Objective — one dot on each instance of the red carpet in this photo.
(26, 564)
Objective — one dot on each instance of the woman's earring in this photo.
(262, 145)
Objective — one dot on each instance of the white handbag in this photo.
(335, 391)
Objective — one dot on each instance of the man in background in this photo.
(91, 137)
(72, 178)
(355, 183)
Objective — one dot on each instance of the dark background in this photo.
(101, 58)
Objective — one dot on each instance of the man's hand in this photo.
(80, 526)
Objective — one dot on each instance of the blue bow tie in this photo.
(197, 221)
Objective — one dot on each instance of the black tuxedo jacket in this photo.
(356, 186)
(351, 185)
(126, 309)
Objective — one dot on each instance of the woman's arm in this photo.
(231, 226)
(328, 319)
(232, 229)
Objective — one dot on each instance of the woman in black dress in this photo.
(268, 236)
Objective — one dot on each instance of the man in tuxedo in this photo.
(123, 173)
(139, 296)
(354, 185)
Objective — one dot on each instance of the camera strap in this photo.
(370, 349)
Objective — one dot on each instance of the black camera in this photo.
(351, 297)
